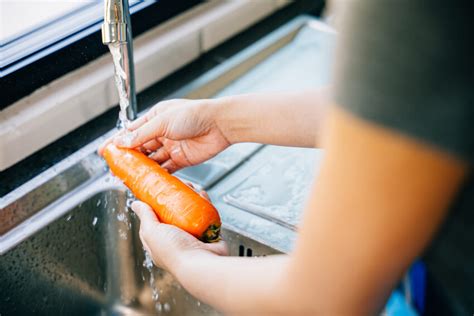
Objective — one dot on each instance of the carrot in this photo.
(173, 201)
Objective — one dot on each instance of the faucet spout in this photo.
(114, 28)
(117, 30)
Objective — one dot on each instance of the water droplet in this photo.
(158, 307)
(94, 221)
(123, 234)
(121, 217)
(148, 262)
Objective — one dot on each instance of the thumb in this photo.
(220, 248)
(144, 212)
(150, 130)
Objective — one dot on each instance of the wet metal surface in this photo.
(90, 261)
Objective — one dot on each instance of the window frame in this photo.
(73, 40)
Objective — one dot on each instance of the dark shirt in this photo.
(409, 65)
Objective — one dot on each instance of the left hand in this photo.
(168, 245)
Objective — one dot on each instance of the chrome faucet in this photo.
(117, 29)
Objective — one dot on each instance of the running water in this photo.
(116, 50)
(120, 82)
(155, 295)
(148, 264)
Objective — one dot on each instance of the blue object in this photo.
(408, 299)
(397, 306)
(417, 275)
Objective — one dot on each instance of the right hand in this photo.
(176, 133)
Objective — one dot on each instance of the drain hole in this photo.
(241, 251)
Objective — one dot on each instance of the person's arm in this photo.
(180, 133)
(378, 200)
(286, 119)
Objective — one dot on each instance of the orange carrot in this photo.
(173, 201)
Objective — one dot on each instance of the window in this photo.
(21, 17)
(41, 40)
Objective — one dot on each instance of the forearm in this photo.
(235, 284)
(272, 285)
(288, 119)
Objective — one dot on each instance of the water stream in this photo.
(116, 49)
(120, 82)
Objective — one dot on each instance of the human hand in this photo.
(168, 244)
(175, 133)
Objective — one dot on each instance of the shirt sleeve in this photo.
(409, 65)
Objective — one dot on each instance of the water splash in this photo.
(155, 295)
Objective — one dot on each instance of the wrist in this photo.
(227, 116)
(186, 260)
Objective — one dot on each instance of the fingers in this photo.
(125, 139)
(100, 150)
(205, 195)
(152, 129)
(219, 248)
(142, 120)
(160, 155)
(167, 243)
(145, 213)
(124, 132)
(154, 111)
(152, 146)
(170, 166)
(202, 193)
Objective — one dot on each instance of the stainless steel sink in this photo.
(90, 261)
(69, 244)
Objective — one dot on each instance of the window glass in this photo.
(42, 40)
(29, 26)
(20, 17)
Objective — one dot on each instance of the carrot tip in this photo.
(212, 233)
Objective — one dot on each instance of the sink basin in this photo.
(90, 261)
